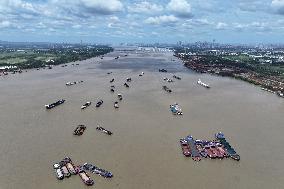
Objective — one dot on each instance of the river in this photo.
(144, 151)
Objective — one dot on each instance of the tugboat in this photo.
(86, 105)
(84, 176)
(79, 130)
(99, 103)
(203, 84)
(175, 109)
(52, 105)
(119, 96)
(116, 105)
(104, 130)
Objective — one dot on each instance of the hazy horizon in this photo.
(137, 21)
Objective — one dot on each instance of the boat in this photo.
(58, 171)
(73, 83)
(112, 88)
(209, 152)
(96, 170)
(119, 96)
(216, 151)
(128, 79)
(104, 130)
(79, 130)
(116, 105)
(99, 103)
(70, 166)
(142, 73)
(203, 84)
(86, 105)
(268, 90)
(175, 109)
(280, 94)
(167, 89)
(111, 81)
(163, 70)
(52, 105)
(229, 149)
(201, 149)
(221, 149)
(194, 152)
(59, 174)
(176, 77)
(109, 73)
(64, 169)
(185, 148)
(84, 176)
(126, 85)
(168, 80)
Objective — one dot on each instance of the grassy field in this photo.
(30, 58)
(14, 58)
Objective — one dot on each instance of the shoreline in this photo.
(266, 83)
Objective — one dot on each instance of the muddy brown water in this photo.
(144, 150)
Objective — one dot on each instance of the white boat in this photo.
(86, 105)
(280, 94)
(116, 105)
(203, 84)
(59, 174)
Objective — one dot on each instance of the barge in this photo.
(99, 103)
(203, 84)
(104, 130)
(194, 152)
(86, 105)
(70, 166)
(79, 130)
(53, 105)
(176, 77)
(115, 105)
(175, 109)
(185, 148)
(167, 89)
(96, 170)
(229, 149)
(84, 176)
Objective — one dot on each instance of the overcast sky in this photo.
(115, 21)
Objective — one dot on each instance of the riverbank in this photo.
(218, 66)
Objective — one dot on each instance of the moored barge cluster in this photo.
(65, 168)
(214, 149)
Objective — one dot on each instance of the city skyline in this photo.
(166, 21)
